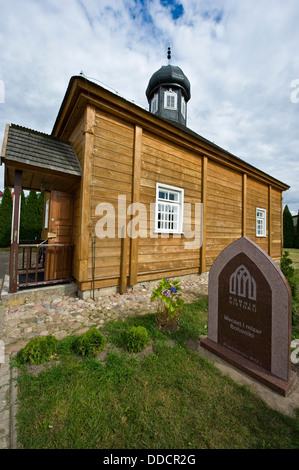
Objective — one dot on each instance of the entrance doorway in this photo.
(59, 216)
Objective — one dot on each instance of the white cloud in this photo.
(240, 57)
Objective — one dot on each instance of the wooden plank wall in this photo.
(112, 171)
(276, 223)
(77, 139)
(163, 162)
(257, 196)
(223, 209)
(127, 160)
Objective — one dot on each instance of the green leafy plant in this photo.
(5, 218)
(38, 350)
(136, 338)
(90, 343)
(168, 295)
(286, 266)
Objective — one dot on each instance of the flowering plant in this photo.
(170, 302)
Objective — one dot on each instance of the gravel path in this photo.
(67, 315)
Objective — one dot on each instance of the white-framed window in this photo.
(170, 99)
(260, 222)
(169, 209)
(154, 105)
(46, 221)
(183, 107)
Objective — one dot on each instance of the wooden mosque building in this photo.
(132, 195)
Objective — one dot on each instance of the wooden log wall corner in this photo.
(204, 214)
(269, 219)
(244, 204)
(86, 179)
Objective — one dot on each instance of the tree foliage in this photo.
(288, 229)
(31, 216)
(5, 218)
(32, 209)
(297, 233)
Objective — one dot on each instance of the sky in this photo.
(241, 58)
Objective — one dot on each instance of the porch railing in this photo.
(41, 264)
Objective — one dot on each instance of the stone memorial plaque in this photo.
(249, 322)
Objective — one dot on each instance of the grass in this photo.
(294, 255)
(171, 399)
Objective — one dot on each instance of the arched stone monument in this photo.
(250, 315)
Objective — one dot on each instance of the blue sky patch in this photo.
(176, 9)
(213, 15)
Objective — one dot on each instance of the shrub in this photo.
(38, 350)
(290, 275)
(136, 339)
(289, 272)
(297, 233)
(170, 302)
(5, 218)
(288, 229)
(90, 343)
(67, 345)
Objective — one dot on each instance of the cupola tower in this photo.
(168, 92)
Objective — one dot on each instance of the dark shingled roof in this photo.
(41, 150)
(168, 75)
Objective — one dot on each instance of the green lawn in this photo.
(294, 255)
(170, 399)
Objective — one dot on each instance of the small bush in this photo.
(67, 345)
(90, 343)
(168, 295)
(38, 350)
(136, 339)
(286, 266)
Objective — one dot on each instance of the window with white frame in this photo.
(169, 209)
(170, 100)
(154, 106)
(183, 107)
(260, 222)
(46, 221)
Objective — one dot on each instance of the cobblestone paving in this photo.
(67, 315)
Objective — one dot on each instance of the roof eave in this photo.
(79, 84)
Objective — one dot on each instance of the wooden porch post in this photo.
(135, 198)
(15, 226)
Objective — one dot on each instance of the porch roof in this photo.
(47, 162)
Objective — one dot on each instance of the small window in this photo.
(154, 105)
(46, 222)
(169, 209)
(260, 222)
(183, 107)
(170, 100)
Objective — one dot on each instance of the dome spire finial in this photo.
(169, 54)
